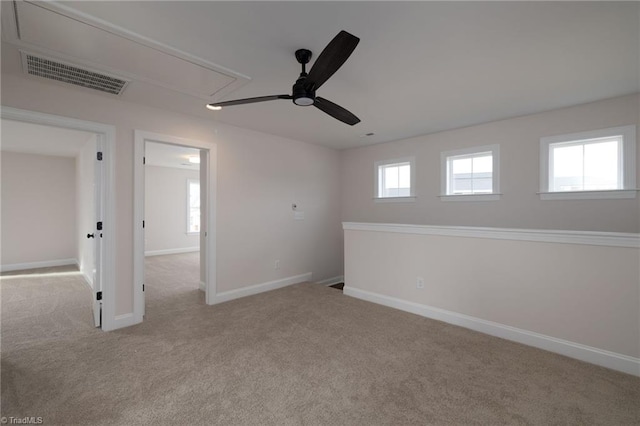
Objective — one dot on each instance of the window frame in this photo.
(412, 180)
(471, 152)
(626, 163)
(188, 205)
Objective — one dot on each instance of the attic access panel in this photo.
(67, 39)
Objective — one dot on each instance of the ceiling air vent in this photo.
(59, 71)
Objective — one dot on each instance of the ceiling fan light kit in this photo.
(303, 95)
(303, 92)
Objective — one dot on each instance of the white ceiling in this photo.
(421, 67)
(165, 155)
(43, 140)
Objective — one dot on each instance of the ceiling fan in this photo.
(304, 90)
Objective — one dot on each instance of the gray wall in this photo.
(580, 293)
(166, 209)
(38, 208)
(259, 176)
(520, 206)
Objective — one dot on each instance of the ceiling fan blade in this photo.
(249, 100)
(336, 111)
(331, 59)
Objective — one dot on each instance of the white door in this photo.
(97, 237)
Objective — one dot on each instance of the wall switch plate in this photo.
(298, 215)
(420, 282)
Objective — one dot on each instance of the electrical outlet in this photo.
(276, 264)
(420, 282)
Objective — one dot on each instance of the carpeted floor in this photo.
(304, 354)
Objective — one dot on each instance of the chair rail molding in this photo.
(611, 239)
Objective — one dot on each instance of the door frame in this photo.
(209, 246)
(106, 136)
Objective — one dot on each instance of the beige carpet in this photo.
(305, 354)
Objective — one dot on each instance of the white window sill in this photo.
(589, 195)
(410, 199)
(471, 197)
(193, 233)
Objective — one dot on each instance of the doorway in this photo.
(171, 227)
(84, 247)
(191, 227)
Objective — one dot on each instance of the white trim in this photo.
(225, 296)
(332, 281)
(210, 159)
(611, 239)
(494, 149)
(88, 279)
(615, 361)
(612, 194)
(202, 286)
(627, 164)
(376, 179)
(171, 251)
(409, 199)
(471, 197)
(106, 135)
(36, 265)
(124, 320)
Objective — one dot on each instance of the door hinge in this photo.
(143, 223)
(142, 287)
(144, 160)
(99, 156)
(99, 226)
(99, 295)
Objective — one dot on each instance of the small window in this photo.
(395, 180)
(589, 164)
(193, 206)
(470, 174)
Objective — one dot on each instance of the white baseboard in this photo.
(36, 265)
(87, 279)
(225, 296)
(612, 360)
(332, 281)
(124, 320)
(171, 251)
